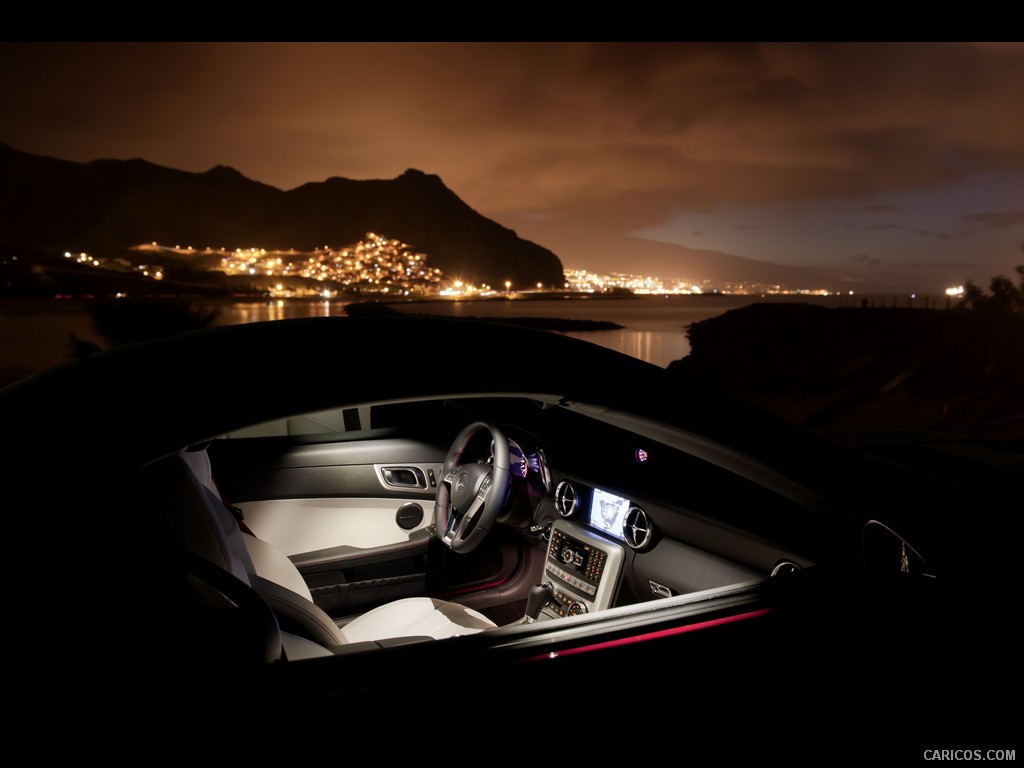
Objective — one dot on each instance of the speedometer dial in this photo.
(517, 460)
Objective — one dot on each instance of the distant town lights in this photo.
(378, 265)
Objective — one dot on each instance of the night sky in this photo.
(882, 165)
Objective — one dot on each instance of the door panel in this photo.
(354, 512)
(349, 510)
(353, 552)
(303, 526)
(259, 469)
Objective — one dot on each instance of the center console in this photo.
(583, 568)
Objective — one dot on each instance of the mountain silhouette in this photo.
(51, 206)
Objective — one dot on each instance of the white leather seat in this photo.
(213, 532)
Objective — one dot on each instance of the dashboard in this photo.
(656, 524)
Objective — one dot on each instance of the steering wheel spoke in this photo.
(462, 522)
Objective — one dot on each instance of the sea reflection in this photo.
(659, 346)
(280, 309)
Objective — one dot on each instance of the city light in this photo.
(381, 265)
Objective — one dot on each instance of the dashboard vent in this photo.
(637, 528)
(565, 499)
(784, 567)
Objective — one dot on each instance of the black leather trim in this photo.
(258, 634)
(344, 555)
(256, 469)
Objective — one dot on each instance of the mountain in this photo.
(51, 206)
(720, 267)
(673, 261)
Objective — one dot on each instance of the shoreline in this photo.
(888, 299)
(374, 309)
(38, 332)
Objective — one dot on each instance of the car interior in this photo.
(412, 522)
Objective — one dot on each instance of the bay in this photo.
(37, 334)
(653, 327)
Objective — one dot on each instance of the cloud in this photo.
(707, 123)
(582, 136)
(863, 258)
(995, 219)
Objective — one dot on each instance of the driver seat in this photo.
(208, 528)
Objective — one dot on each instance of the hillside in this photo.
(956, 370)
(50, 206)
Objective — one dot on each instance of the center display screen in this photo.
(606, 512)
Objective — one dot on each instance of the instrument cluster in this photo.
(523, 463)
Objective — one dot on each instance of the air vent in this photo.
(565, 499)
(784, 566)
(637, 528)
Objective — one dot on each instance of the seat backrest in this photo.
(260, 557)
(211, 530)
(202, 523)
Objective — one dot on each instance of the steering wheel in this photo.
(470, 495)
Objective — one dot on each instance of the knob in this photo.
(537, 599)
(577, 609)
(566, 555)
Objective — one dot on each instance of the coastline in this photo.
(376, 309)
(37, 333)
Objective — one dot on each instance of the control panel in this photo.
(583, 568)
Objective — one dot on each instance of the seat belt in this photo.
(236, 511)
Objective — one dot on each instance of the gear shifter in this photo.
(538, 598)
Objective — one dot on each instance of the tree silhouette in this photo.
(1003, 295)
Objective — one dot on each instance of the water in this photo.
(654, 327)
(35, 335)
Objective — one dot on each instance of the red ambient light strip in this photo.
(661, 633)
